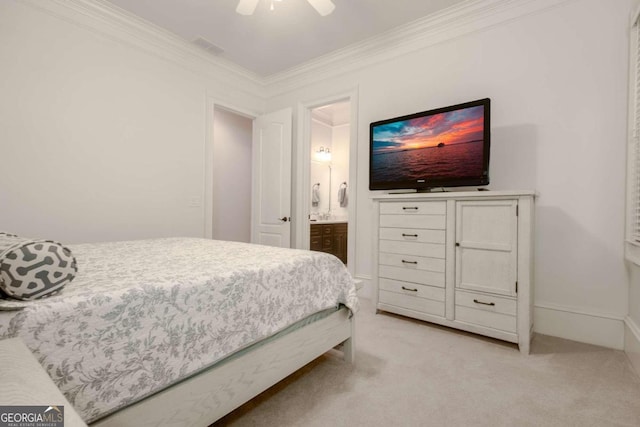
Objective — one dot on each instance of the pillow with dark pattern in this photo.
(33, 269)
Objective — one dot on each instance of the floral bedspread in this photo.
(141, 315)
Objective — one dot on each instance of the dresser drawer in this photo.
(327, 243)
(486, 310)
(433, 250)
(413, 208)
(502, 322)
(486, 302)
(411, 302)
(340, 228)
(413, 235)
(315, 244)
(327, 230)
(412, 262)
(434, 222)
(411, 275)
(412, 289)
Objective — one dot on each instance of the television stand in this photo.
(457, 259)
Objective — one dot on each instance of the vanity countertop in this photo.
(328, 221)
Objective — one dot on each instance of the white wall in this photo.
(340, 172)
(557, 80)
(100, 139)
(232, 176)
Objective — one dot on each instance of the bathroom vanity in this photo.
(331, 237)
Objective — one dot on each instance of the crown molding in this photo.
(456, 21)
(107, 20)
(321, 117)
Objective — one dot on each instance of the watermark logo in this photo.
(32, 416)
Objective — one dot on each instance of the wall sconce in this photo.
(323, 154)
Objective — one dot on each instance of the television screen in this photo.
(446, 147)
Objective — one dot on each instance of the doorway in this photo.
(327, 173)
(232, 174)
(247, 189)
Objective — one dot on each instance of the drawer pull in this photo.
(404, 261)
(409, 235)
(484, 303)
(409, 289)
(410, 208)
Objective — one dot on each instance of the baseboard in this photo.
(632, 343)
(606, 330)
(578, 325)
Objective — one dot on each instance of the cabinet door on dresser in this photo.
(411, 257)
(486, 264)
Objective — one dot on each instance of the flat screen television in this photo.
(445, 147)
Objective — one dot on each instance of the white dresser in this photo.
(459, 259)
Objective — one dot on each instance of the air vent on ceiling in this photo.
(205, 44)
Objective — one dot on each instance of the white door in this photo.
(271, 190)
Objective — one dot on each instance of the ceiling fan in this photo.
(323, 7)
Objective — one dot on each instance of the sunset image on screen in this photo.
(438, 146)
(454, 127)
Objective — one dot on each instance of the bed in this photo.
(181, 331)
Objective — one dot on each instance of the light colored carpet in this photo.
(411, 373)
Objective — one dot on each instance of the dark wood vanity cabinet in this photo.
(330, 238)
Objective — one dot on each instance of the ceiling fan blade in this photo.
(323, 7)
(247, 7)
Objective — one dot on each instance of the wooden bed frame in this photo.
(208, 396)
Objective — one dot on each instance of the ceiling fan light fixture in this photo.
(323, 7)
(247, 7)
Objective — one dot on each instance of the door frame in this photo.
(208, 196)
(303, 175)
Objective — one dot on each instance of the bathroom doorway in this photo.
(329, 173)
(326, 196)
